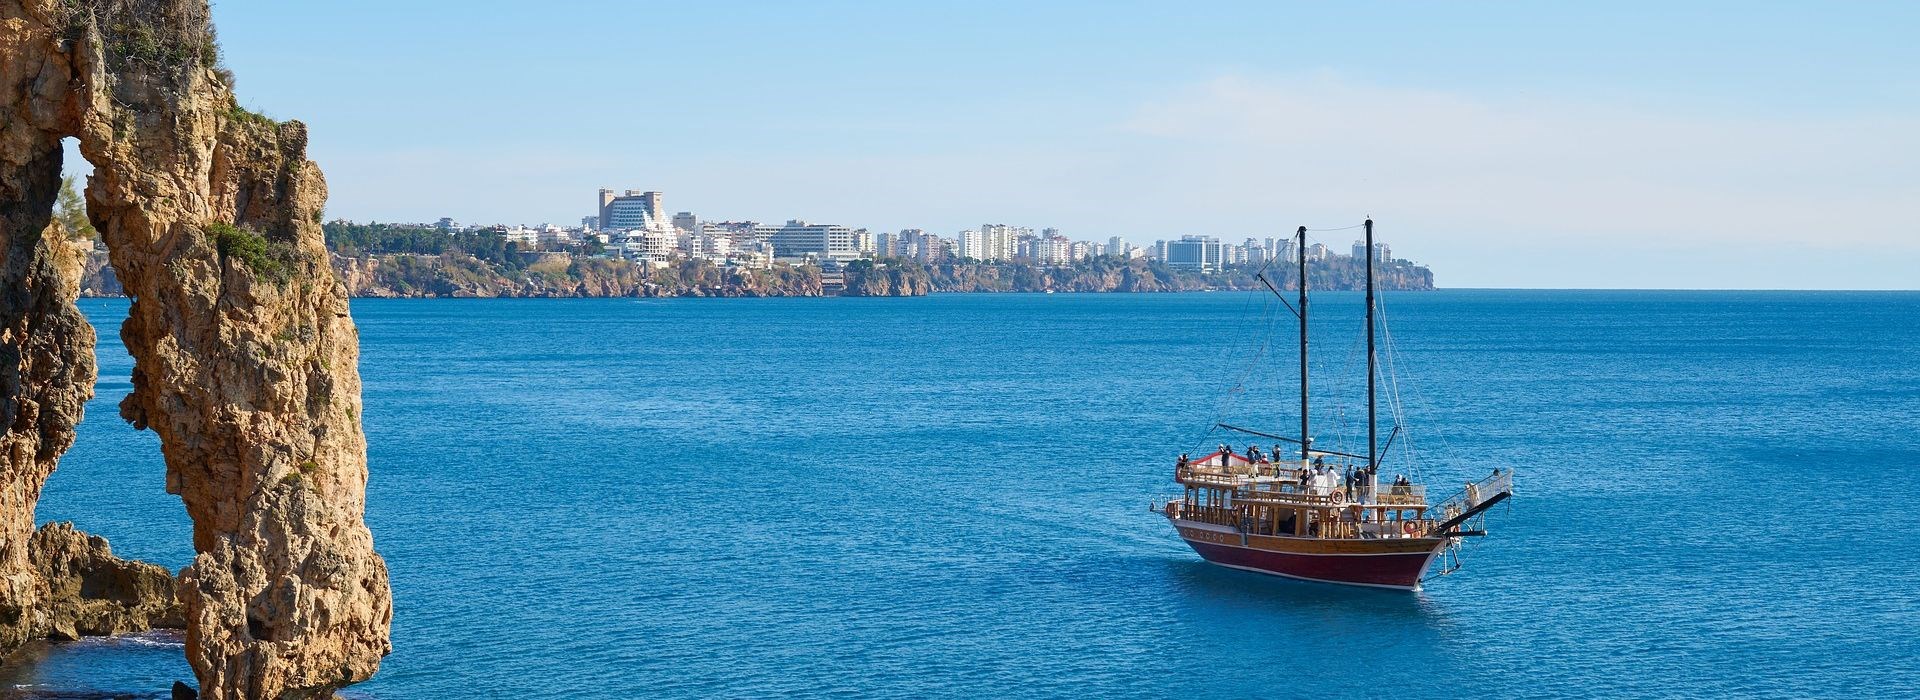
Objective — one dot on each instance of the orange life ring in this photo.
(1338, 496)
(1409, 528)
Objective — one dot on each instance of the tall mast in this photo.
(1301, 250)
(1373, 422)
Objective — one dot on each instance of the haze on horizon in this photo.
(1718, 145)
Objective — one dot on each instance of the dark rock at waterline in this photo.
(182, 691)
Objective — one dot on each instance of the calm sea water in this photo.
(947, 496)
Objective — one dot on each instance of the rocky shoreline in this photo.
(87, 591)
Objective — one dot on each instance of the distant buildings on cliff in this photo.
(636, 225)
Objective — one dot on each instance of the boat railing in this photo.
(1206, 514)
(1211, 476)
(1401, 496)
(1289, 497)
(1229, 476)
(1334, 529)
(1477, 492)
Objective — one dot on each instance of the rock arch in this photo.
(245, 356)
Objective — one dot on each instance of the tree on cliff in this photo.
(72, 211)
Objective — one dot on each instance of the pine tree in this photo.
(73, 211)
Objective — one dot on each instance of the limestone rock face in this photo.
(46, 370)
(245, 356)
(85, 590)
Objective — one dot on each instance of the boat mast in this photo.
(1373, 422)
(1301, 251)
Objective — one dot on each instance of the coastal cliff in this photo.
(456, 274)
(459, 275)
(245, 355)
(1104, 275)
(400, 260)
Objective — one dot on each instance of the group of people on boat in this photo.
(1355, 479)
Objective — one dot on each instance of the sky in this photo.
(1600, 145)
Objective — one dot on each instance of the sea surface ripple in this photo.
(947, 497)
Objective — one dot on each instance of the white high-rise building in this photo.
(800, 239)
(1381, 253)
(633, 211)
(1053, 250)
(1203, 253)
(972, 245)
(1001, 242)
(1258, 253)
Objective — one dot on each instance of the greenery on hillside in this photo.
(358, 240)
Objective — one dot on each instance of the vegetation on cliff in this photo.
(460, 274)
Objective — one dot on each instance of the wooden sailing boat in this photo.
(1309, 519)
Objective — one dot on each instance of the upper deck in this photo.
(1295, 483)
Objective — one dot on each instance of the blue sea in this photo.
(947, 497)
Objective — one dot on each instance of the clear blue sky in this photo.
(1741, 145)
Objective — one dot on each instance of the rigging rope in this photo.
(1396, 403)
(1451, 454)
(1259, 350)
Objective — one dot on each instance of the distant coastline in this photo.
(411, 261)
(457, 274)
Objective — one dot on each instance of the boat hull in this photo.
(1388, 563)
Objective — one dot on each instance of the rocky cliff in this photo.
(464, 276)
(455, 274)
(245, 356)
(97, 278)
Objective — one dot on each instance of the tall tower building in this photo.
(634, 210)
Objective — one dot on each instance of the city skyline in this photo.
(638, 226)
(1717, 145)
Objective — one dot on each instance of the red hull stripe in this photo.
(1396, 570)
